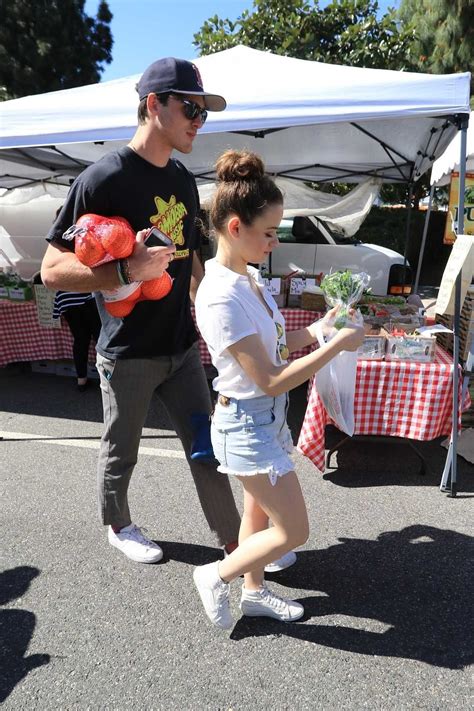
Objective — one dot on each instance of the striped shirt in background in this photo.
(67, 300)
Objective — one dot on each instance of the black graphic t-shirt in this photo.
(124, 184)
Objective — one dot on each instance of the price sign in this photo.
(297, 285)
(273, 285)
(44, 306)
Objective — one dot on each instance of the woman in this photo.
(245, 335)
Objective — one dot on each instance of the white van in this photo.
(308, 244)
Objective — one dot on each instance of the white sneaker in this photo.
(214, 594)
(131, 541)
(284, 562)
(265, 603)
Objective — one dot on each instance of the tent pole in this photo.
(407, 236)
(423, 240)
(451, 459)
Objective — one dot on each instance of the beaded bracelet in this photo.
(121, 277)
(125, 271)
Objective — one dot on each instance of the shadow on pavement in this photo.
(16, 631)
(388, 462)
(189, 553)
(405, 594)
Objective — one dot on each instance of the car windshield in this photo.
(302, 230)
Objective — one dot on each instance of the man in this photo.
(155, 347)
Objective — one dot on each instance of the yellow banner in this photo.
(452, 217)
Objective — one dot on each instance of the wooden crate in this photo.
(466, 327)
(313, 302)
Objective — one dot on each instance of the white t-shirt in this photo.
(227, 310)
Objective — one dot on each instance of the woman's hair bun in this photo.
(234, 166)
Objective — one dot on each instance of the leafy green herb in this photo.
(343, 289)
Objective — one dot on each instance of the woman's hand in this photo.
(323, 322)
(350, 338)
(147, 263)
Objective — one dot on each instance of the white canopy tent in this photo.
(308, 120)
(449, 162)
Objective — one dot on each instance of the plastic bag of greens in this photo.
(344, 289)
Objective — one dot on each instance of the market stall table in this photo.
(23, 338)
(402, 399)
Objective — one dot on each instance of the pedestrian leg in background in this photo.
(78, 322)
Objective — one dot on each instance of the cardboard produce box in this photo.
(409, 347)
(373, 347)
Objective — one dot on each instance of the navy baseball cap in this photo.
(179, 77)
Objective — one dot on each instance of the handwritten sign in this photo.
(273, 285)
(44, 306)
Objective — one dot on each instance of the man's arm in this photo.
(61, 269)
(197, 275)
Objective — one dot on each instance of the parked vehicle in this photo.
(307, 243)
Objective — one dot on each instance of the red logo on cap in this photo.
(198, 76)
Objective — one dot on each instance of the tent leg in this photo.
(444, 485)
(423, 241)
(407, 235)
(451, 461)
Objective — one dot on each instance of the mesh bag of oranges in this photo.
(103, 239)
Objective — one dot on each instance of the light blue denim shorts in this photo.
(252, 437)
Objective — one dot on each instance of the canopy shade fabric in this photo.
(308, 120)
(449, 161)
(343, 214)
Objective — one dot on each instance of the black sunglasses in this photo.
(192, 110)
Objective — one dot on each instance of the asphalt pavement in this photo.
(385, 578)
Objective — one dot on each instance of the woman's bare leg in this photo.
(284, 505)
(254, 519)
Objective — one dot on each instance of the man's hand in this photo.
(147, 263)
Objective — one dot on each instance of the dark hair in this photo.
(243, 188)
(142, 109)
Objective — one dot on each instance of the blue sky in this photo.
(145, 30)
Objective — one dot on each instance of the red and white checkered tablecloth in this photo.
(294, 319)
(22, 338)
(393, 399)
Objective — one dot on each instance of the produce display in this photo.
(13, 287)
(99, 240)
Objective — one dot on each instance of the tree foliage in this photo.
(345, 31)
(47, 45)
(443, 34)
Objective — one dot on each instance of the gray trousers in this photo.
(127, 387)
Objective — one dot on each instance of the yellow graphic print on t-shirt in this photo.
(169, 219)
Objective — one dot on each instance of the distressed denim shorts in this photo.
(252, 437)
